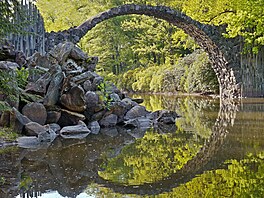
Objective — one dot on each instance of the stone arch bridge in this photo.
(208, 37)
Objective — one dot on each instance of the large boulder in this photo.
(38, 60)
(135, 112)
(39, 86)
(18, 120)
(69, 118)
(74, 99)
(129, 103)
(36, 112)
(119, 109)
(87, 85)
(34, 129)
(53, 93)
(79, 79)
(163, 116)
(141, 122)
(53, 116)
(78, 131)
(108, 121)
(7, 65)
(61, 52)
(77, 54)
(92, 103)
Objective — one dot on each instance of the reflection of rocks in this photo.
(79, 131)
(66, 166)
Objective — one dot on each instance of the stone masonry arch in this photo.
(200, 32)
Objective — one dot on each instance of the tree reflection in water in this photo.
(162, 163)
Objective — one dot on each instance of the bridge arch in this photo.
(225, 75)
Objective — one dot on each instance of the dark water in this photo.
(214, 150)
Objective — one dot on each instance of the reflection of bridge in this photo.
(206, 36)
(226, 118)
(69, 168)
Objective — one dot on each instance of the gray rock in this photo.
(47, 136)
(79, 131)
(62, 51)
(53, 116)
(18, 120)
(7, 65)
(119, 109)
(40, 86)
(164, 116)
(91, 101)
(69, 118)
(87, 85)
(55, 127)
(38, 60)
(36, 112)
(96, 82)
(77, 54)
(53, 93)
(115, 97)
(141, 122)
(129, 103)
(83, 77)
(94, 127)
(71, 67)
(98, 115)
(108, 121)
(34, 129)
(28, 142)
(74, 99)
(135, 112)
(90, 63)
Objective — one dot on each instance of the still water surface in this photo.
(213, 151)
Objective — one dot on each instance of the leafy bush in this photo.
(192, 73)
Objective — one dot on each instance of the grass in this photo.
(7, 134)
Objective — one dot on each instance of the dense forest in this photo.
(145, 54)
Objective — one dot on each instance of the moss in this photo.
(7, 134)
(9, 149)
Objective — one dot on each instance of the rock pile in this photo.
(71, 100)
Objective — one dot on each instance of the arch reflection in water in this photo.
(69, 167)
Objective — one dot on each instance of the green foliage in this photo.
(8, 84)
(4, 106)
(190, 74)
(2, 180)
(151, 158)
(26, 182)
(239, 178)
(154, 46)
(242, 178)
(242, 17)
(8, 134)
(12, 82)
(22, 77)
(105, 89)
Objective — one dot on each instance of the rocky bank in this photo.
(65, 97)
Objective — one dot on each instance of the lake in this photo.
(215, 149)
